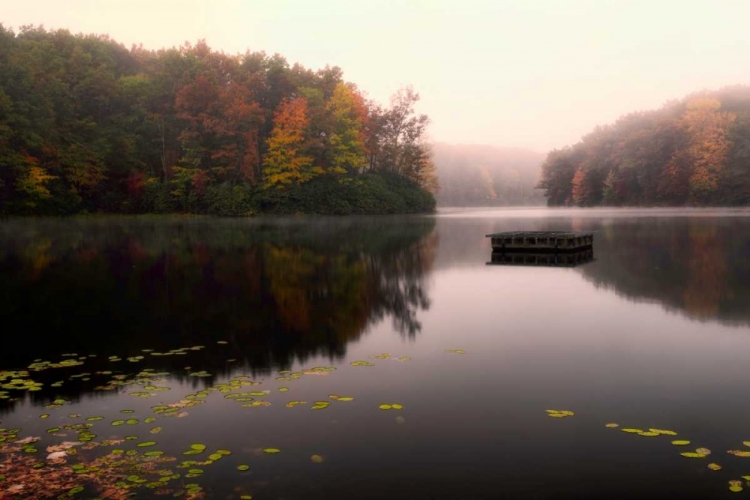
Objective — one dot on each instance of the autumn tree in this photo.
(708, 132)
(286, 162)
(347, 149)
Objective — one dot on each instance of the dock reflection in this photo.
(545, 259)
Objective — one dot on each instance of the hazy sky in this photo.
(525, 73)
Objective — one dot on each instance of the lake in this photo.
(383, 357)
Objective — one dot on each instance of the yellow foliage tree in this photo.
(347, 145)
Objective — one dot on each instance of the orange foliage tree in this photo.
(285, 162)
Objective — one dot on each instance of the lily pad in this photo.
(146, 444)
(680, 442)
(714, 466)
(559, 413)
(612, 425)
(690, 454)
(361, 363)
(703, 451)
(664, 432)
(198, 446)
(243, 468)
(318, 459)
(271, 451)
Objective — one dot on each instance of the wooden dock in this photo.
(541, 241)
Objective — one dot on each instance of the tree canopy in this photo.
(89, 125)
(695, 151)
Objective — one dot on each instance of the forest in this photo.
(691, 152)
(88, 126)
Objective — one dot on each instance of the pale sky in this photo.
(526, 73)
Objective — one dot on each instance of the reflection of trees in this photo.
(684, 264)
(280, 291)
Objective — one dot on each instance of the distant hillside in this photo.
(695, 151)
(476, 175)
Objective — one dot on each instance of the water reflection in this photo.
(697, 267)
(549, 259)
(693, 263)
(281, 291)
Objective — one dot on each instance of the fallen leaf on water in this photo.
(58, 455)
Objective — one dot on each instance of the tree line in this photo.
(89, 125)
(695, 151)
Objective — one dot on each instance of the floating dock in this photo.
(541, 241)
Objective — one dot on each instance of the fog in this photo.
(531, 74)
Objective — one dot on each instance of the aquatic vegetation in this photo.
(455, 351)
(663, 432)
(559, 413)
(144, 466)
(392, 406)
(735, 486)
(361, 363)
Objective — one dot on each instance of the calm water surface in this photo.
(654, 333)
